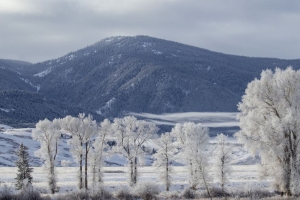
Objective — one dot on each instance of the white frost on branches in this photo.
(164, 157)
(193, 139)
(222, 167)
(83, 130)
(270, 126)
(97, 154)
(131, 134)
(47, 133)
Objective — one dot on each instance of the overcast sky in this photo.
(38, 30)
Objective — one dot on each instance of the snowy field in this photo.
(243, 176)
(218, 122)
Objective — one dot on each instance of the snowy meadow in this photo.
(244, 177)
(244, 174)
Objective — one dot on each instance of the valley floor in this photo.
(243, 177)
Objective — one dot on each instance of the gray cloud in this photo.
(39, 30)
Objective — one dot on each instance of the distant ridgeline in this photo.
(127, 74)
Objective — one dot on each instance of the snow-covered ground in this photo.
(116, 178)
(208, 119)
(10, 139)
(244, 174)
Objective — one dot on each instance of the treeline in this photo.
(90, 142)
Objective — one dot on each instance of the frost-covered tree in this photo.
(97, 154)
(222, 158)
(131, 134)
(74, 127)
(47, 133)
(269, 121)
(164, 157)
(82, 129)
(193, 140)
(22, 164)
(90, 130)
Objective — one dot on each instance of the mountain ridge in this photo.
(118, 75)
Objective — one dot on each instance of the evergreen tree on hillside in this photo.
(24, 171)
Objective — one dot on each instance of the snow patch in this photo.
(157, 52)
(38, 87)
(5, 110)
(67, 71)
(146, 44)
(71, 57)
(106, 106)
(208, 119)
(43, 73)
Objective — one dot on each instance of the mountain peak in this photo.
(144, 74)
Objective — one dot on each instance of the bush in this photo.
(28, 193)
(170, 195)
(6, 193)
(147, 190)
(80, 195)
(217, 192)
(188, 193)
(251, 192)
(100, 194)
(125, 194)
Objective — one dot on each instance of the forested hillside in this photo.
(141, 74)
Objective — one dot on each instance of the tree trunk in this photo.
(294, 186)
(192, 184)
(131, 173)
(99, 175)
(52, 181)
(205, 182)
(222, 173)
(80, 172)
(86, 167)
(135, 170)
(167, 174)
(288, 174)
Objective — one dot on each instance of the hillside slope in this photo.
(138, 74)
(144, 74)
(24, 109)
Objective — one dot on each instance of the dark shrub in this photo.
(6, 193)
(80, 195)
(101, 194)
(125, 194)
(188, 193)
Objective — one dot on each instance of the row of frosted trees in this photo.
(89, 146)
(269, 122)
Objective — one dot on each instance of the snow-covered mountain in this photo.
(143, 74)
